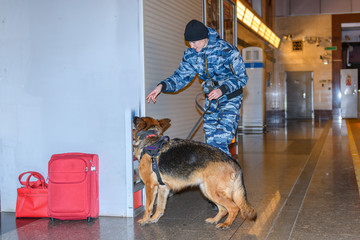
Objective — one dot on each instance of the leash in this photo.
(204, 111)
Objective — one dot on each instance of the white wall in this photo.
(69, 71)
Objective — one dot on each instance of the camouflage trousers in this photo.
(221, 122)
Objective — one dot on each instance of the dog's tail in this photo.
(240, 198)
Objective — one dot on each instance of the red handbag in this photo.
(32, 197)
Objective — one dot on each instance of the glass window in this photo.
(212, 14)
(257, 6)
(228, 18)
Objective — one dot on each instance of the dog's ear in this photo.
(139, 123)
(164, 123)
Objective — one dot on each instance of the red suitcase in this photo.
(73, 186)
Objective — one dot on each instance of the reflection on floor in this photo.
(300, 178)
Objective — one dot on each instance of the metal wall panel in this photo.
(164, 44)
(304, 7)
(314, 7)
(335, 6)
(281, 8)
(299, 95)
(355, 6)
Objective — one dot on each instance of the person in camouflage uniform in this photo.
(220, 66)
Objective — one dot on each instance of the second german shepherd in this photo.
(183, 163)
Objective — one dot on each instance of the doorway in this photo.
(299, 95)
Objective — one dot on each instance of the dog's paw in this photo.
(222, 226)
(211, 220)
(143, 221)
(154, 220)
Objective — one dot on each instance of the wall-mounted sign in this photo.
(297, 45)
(332, 48)
(348, 80)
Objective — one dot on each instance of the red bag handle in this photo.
(40, 182)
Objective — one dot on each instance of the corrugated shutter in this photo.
(164, 45)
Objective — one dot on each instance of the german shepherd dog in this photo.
(183, 163)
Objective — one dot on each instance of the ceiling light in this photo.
(250, 19)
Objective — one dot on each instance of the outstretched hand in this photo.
(154, 93)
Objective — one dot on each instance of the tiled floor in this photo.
(300, 178)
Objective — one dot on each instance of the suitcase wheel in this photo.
(52, 219)
(89, 219)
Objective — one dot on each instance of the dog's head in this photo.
(144, 124)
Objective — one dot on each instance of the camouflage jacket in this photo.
(224, 65)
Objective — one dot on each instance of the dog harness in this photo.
(154, 150)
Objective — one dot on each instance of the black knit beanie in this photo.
(195, 31)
